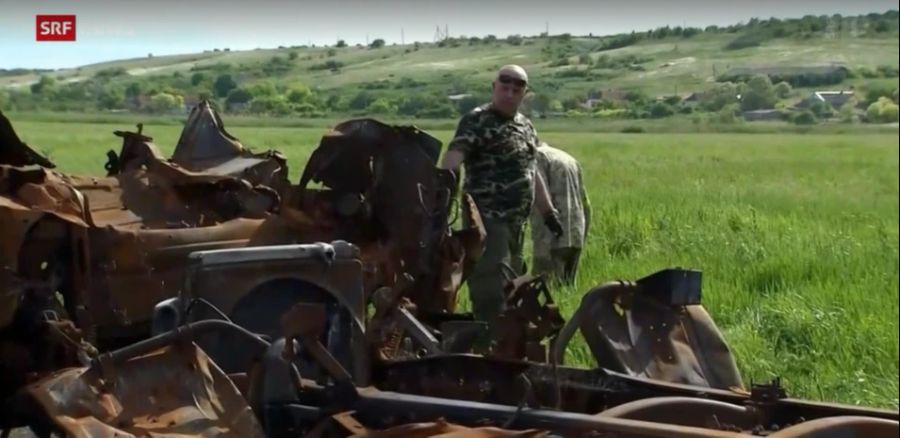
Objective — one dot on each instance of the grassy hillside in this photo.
(627, 71)
(670, 65)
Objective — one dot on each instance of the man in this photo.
(558, 257)
(498, 147)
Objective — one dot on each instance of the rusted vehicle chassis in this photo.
(169, 387)
(90, 257)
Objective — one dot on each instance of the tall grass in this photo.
(797, 236)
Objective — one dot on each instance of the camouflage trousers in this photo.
(561, 265)
(503, 245)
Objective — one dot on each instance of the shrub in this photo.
(848, 111)
(381, 106)
(334, 66)
(783, 90)
(224, 84)
(883, 111)
(745, 41)
(876, 91)
(805, 118)
(514, 40)
(164, 102)
(822, 110)
(887, 71)
(728, 114)
(239, 95)
(631, 129)
(660, 109)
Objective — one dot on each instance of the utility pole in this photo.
(547, 28)
(402, 39)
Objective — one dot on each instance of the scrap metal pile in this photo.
(206, 295)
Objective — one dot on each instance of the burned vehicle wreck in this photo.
(85, 259)
(338, 317)
(303, 383)
(92, 255)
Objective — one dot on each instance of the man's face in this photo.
(508, 93)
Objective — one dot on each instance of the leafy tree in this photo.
(341, 44)
(197, 78)
(270, 105)
(298, 94)
(377, 44)
(822, 110)
(783, 90)
(848, 111)
(44, 85)
(238, 95)
(661, 109)
(759, 94)
(361, 101)
(224, 84)
(877, 91)
(413, 104)
(260, 89)
(728, 113)
(292, 56)
(133, 89)
(719, 96)
(883, 111)
(514, 40)
(165, 102)
(111, 97)
(382, 106)
(440, 110)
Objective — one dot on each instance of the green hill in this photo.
(566, 70)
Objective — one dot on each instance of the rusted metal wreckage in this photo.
(205, 295)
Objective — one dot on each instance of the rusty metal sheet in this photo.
(629, 330)
(204, 140)
(174, 392)
(205, 146)
(386, 189)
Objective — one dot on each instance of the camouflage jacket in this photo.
(563, 176)
(499, 162)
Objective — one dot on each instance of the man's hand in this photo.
(551, 220)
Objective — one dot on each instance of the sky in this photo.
(119, 29)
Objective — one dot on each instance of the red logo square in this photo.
(55, 28)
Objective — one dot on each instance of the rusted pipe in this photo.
(188, 331)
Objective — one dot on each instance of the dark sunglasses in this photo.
(504, 79)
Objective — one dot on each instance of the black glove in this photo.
(551, 220)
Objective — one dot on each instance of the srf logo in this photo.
(55, 28)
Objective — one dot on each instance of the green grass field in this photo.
(796, 234)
